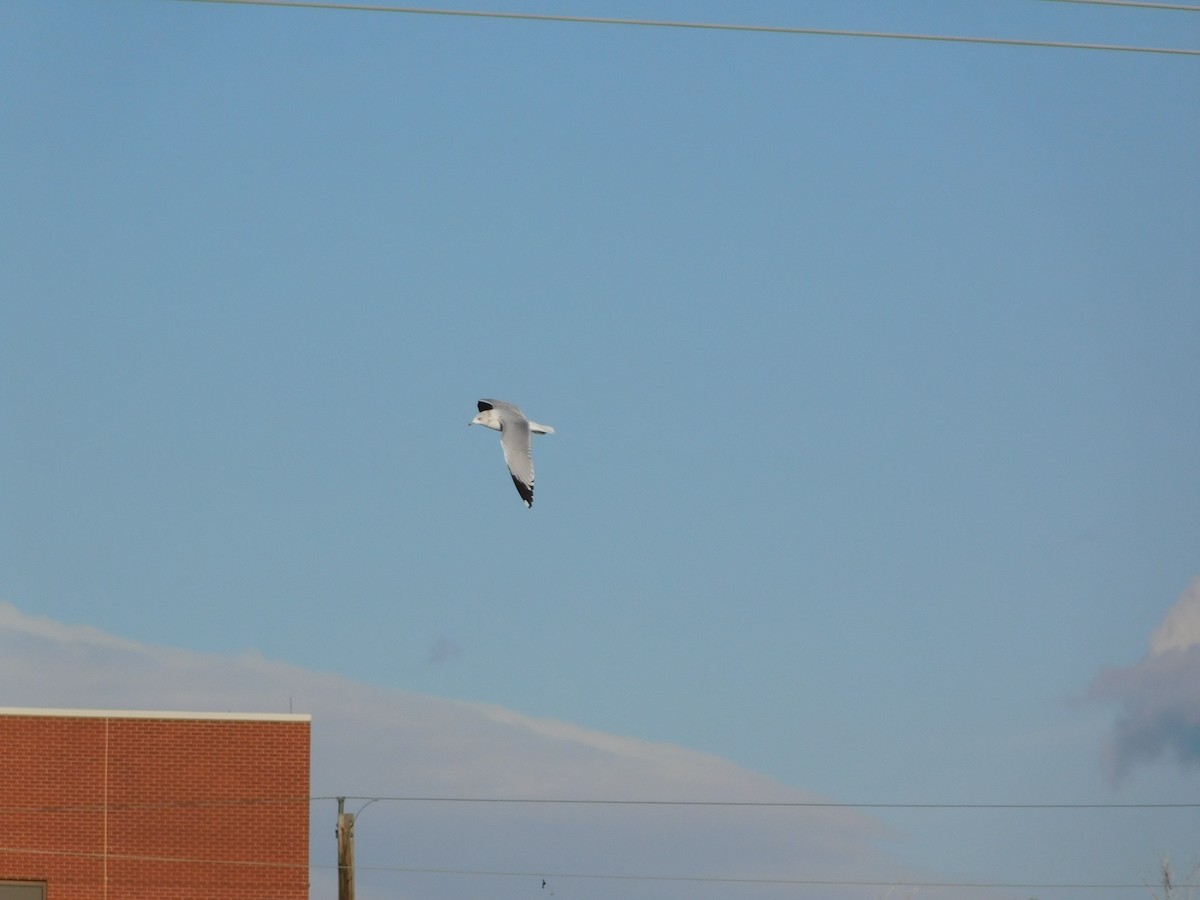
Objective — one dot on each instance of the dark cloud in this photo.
(1160, 710)
(1159, 696)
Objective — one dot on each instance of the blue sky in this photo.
(873, 368)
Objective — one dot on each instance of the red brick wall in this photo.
(142, 808)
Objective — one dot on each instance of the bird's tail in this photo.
(540, 429)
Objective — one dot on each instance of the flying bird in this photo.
(516, 436)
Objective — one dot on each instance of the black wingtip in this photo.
(526, 491)
(484, 405)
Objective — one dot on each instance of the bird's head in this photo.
(488, 419)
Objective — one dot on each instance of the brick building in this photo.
(106, 805)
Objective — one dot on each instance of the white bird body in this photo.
(516, 438)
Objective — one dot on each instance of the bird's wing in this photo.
(504, 409)
(516, 440)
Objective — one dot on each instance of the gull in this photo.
(516, 436)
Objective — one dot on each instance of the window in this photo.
(22, 890)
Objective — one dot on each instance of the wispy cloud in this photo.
(375, 742)
(1159, 696)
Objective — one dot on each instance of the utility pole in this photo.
(345, 844)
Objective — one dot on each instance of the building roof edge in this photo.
(16, 711)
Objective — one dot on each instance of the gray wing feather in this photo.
(516, 441)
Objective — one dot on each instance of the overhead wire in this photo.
(808, 882)
(707, 26)
(59, 808)
(767, 804)
(608, 876)
(593, 876)
(1136, 4)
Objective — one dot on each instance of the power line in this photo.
(810, 882)
(806, 882)
(785, 804)
(92, 808)
(594, 876)
(1137, 4)
(707, 26)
